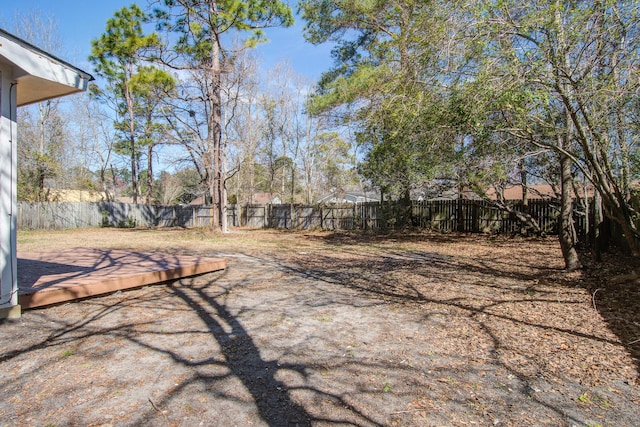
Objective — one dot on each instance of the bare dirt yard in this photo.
(332, 329)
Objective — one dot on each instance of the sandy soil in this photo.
(321, 329)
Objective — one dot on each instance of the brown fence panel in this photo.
(442, 215)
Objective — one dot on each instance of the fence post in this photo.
(267, 216)
(354, 216)
(459, 214)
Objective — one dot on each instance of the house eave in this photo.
(39, 75)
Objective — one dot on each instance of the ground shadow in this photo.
(202, 296)
(244, 360)
(485, 290)
(617, 301)
(221, 322)
(615, 292)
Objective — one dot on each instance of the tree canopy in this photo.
(474, 92)
(117, 56)
(200, 27)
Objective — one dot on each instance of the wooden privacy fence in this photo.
(443, 215)
(48, 216)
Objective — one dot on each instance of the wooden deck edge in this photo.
(58, 294)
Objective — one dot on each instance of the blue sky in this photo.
(80, 21)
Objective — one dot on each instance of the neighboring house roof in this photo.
(514, 192)
(124, 199)
(536, 191)
(262, 199)
(349, 197)
(40, 75)
(197, 201)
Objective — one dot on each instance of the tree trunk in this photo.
(601, 231)
(623, 218)
(132, 141)
(149, 174)
(525, 188)
(224, 226)
(216, 124)
(567, 232)
(134, 171)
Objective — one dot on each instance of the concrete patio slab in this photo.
(46, 278)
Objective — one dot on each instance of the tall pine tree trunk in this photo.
(149, 174)
(132, 144)
(134, 169)
(216, 124)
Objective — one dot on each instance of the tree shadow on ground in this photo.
(617, 298)
(618, 302)
(413, 235)
(500, 300)
(243, 359)
(236, 352)
(496, 301)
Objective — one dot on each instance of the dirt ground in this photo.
(324, 329)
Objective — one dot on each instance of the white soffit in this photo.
(40, 76)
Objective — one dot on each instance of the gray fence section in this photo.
(444, 215)
(47, 216)
(52, 216)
